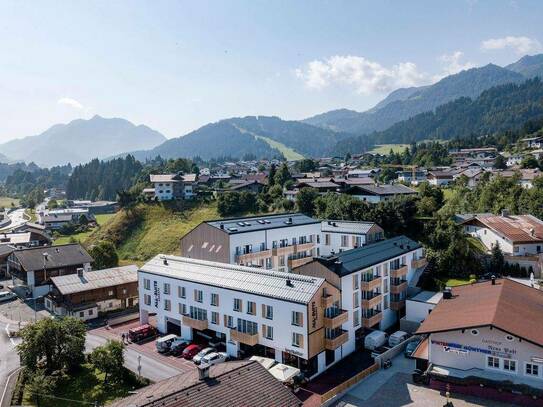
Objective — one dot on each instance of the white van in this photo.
(397, 337)
(163, 344)
(6, 296)
(375, 340)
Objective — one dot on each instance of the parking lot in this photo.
(18, 309)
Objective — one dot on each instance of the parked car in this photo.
(215, 358)
(375, 340)
(410, 348)
(163, 344)
(6, 296)
(397, 337)
(141, 332)
(191, 351)
(178, 346)
(206, 351)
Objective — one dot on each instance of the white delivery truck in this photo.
(397, 337)
(375, 340)
(163, 344)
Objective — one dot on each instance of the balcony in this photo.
(373, 320)
(336, 321)
(399, 273)
(293, 263)
(368, 303)
(416, 264)
(335, 343)
(398, 287)
(303, 247)
(372, 284)
(397, 305)
(198, 324)
(328, 300)
(253, 256)
(246, 338)
(281, 251)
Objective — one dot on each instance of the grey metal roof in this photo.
(92, 280)
(57, 256)
(255, 223)
(233, 277)
(343, 226)
(350, 261)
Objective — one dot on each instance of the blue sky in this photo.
(177, 65)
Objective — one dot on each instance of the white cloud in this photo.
(521, 45)
(364, 75)
(70, 102)
(452, 64)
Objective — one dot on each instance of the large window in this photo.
(247, 327)
(198, 313)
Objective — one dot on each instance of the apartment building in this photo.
(173, 186)
(341, 235)
(294, 319)
(373, 282)
(278, 242)
(486, 339)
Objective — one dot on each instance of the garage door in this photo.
(173, 328)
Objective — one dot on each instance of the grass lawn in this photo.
(81, 237)
(85, 386)
(30, 212)
(477, 245)
(6, 202)
(384, 149)
(453, 282)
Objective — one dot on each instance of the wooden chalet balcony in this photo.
(246, 338)
(292, 263)
(397, 305)
(335, 343)
(398, 288)
(371, 302)
(336, 321)
(399, 273)
(201, 325)
(328, 300)
(281, 251)
(373, 320)
(419, 263)
(253, 257)
(371, 285)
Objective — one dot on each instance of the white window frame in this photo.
(509, 370)
(296, 342)
(494, 358)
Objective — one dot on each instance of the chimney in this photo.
(493, 278)
(505, 213)
(165, 261)
(447, 293)
(203, 371)
(532, 232)
(289, 283)
(222, 226)
(80, 272)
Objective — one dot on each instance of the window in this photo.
(237, 305)
(198, 296)
(297, 340)
(344, 240)
(215, 318)
(356, 318)
(91, 312)
(247, 327)
(228, 321)
(356, 300)
(268, 263)
(281, 261)
(167, 305)
(510, 365)
(251, 308)
(166, 288)
(81, 314)
(268, 332)
(386, 302)
(493, 362)
(146, 299)
(327, 239)
(110, 293)
(183, 309)
(146, 283)
(355, 282)
(297, 318)
(267, 311)
(181, 292)
(215, 300)
(198, 313)
(532, 369)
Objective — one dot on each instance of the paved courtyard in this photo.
(21, 310)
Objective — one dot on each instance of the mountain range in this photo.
(82, 140)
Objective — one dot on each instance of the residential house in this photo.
(379, 193)
(5, 251)
(174, 186)
(86, 294)
(533, 142)
(412, 177)
(55, 219)
(341, 235)
(440, 178)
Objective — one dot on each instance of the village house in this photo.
(341, 235)
(55, 219)
(440, 178)
(86, 294)
(533, 142)
(174, 186)
(379, 193)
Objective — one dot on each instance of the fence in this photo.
(348, 383)
(389, 354)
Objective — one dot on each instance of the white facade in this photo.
(338, 236)
(164, 191)
(490, 238)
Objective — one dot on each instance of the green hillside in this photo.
(287, 152)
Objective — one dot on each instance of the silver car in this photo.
(215, 358)
(204, 352)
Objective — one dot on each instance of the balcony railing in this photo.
(371, 285)
(246, 338)
(397, 305)
(337, 320)
(328, 300)
(418, 263)
(199, 324)
(398, 273)
(372, 320)
(293, 263)
(372, 302)
(302, 247)
(398, 287)
(336, 342)
(253, 256)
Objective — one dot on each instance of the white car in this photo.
(215, 358)
(7, 296)
(204, 352)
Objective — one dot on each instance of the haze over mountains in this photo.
(471, 101)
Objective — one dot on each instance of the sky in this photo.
(177, 65)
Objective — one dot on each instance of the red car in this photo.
(191, 351)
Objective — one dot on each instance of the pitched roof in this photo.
(5, 250)
(92, 280)
(251, 280)
(517, 229)
(510, 306)
(58, 256)
(395, 189)
(350, 261)
(265, 222)
(235, 384)
(343, 226)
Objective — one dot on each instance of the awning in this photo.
(266, 362)
(421, 352)
(284, 373)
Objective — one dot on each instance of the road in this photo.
(9, 361)
(18, 218)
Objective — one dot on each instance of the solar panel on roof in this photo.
(233, 229)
